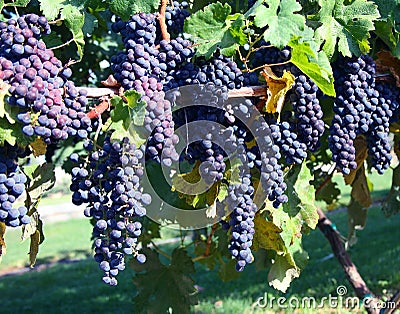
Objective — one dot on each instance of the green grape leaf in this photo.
(150, 231)
(346, 26)
(51, 8)
(391, 37)
(227, 270)
(35, 224)
(392, 203)
(163, 287)
(137, 106)
(17, 3)
(282, 273)
(282, 21)
(267, 236)
(213, 254)
(43, 177)
(301, 195)
(313, 63)
(90, 24)
(356, 219)
(126, 8)
(154, 182)
(74, 20)
(389, 10)
(12, 133)
(329, 193)
(214, 27)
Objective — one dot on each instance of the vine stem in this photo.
(251, 91)
(208, 244)
(62, 45)
(334, 237)
(357, 282)
(158, 250)
(161, 19)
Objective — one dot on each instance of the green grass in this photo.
(77, 288)
(63, 240)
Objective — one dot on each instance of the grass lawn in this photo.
(77, 288)
(63, 240)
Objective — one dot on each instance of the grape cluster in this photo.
(362, 107)
(286, 138)
(139, 68)
(352, 110)
(50, 106)
(175, 16)
(378, 142)
(220, 70)
(243, 209)
(310, 126)
(12, 185)
(303, 97)
(108, 181)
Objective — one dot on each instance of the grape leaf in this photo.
(277, 89)
(214, 27)
(42, 180)
(126, 8)
(17, 3)
(35, 224)
(313, 63)
(282, 21)
(51, 8)
(346, 26)
(38, 147)
(3, 93)
(356, 219)
(267, 236)
(2, 241)
(282, 273)
(360, 190)
(163, 287)
(227, 270)
(389, 11)
(360, 144)
(75, 19)
(137, 106)
(12, 133)
(392, 203)
(385, 31)
(301, 195)
(34, 248)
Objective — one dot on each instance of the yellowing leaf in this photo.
(267, 236)
(211, 211)
(360, 191)
(38, 147)
(187, 182)
(2, 242)
(3, 92)
(277, 89)
(34, 248)
(360, 145)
